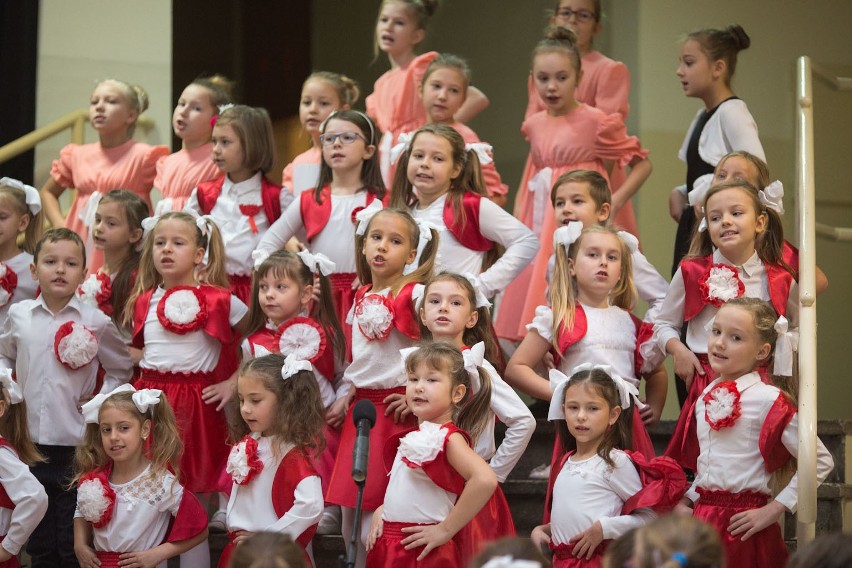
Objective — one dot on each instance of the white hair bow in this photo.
(786, 343)
(148, 224)
(630, 240)
(404, 353)
(772, 197)
(31, 194)
(482, 150)
(481, 299)
(404, 142)
(559, 382)
(292, 365)
(473, 359)
(702, 226)
(142, 400)
(700, 187)
(317, 261)
(366, 214)
(223, 108)
(509, 562)
(259, 257)
(87, 214)
(203, 222)
(567, 235)
(15, 394)
(425, 236)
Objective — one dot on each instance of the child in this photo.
(740, 431)
(674, 541)
(23, 501)
(453, 312)
(437, 482)
(439, 179)
(708, 59)
(190, 333)
(275, 486)
(243, 202)
(569, 135)
(598, 491)
(394, 105)
(323, 92)
(116, 160)
(349, 181)
(117, 231)
(56, 344)
(192, 120)
(384, 321)
(739, 254)
(131, 508)
(20, 214)
(268, 550)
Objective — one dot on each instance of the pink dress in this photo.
(179, 173)
(493, 183)
(584, 138)
(303, 172)
(91, 167)
(605, 85)
(396, 106)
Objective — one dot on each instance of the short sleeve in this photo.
(613, 89)
(150, 165)
(62, 170)
(419, 65)
(287, 177)
(542, 323)
(613, 143)
(238, 311)
(159, 182)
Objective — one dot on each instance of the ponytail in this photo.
(473, 414)
(14, 427)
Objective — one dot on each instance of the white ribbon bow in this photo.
(481, 299)
(87, 214)
(699, 189)
(259, 257)
(474, 358)
(630, 240)
(292, 365)
(559, 381)
(15, 394)
(203, 222)
(567, 235)
(142, 400)
(223, 108)
(404, 354)
(772, 197)
(540, 184)
(366, 214)
(404, 142)
(317, 261)
(786, 343)
(31, 194)
(482, 150)
(509, 562)
(702, 226)
(425, 236)
(148, 224)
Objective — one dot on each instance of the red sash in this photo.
(295, 467)
(467, 233)
(270, 194)
(438, 470)
(315, 214)
(217, 326)
(404, 315)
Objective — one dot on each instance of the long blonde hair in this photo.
(35, 228)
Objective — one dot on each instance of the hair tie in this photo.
(772, 197)
(680, 558)
(9, 383)
(31, 194)
(425, 236)
(508, 561)
(559, 382)
(317, 262)
(400, 147)
(142, 400)
(482, 150)
(87, 214)
(567, 235)
(365, 215)
(292, 365)
(786, 343)
(473, 359)
(479, 295)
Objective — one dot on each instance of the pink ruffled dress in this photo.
(303, 172)
(181, 172)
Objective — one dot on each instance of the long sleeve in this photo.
(521, 246)
(8, 345)
(789, 496)
(625, 482)
(283, 229)
(669, 320)
(739, 128)
(306, 510)
(28, 496)
(114, 358)
(651, 287)
(520, 426)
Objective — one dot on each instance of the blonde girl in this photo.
(131, 507)
(20, 214)
(437, 482)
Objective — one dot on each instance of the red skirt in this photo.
(343, 296)
(562, 557)
(241, 287)
(108, 559)
(202, 429)
(765, 548)
(492, 522)
(699, 383)
(324, 463)
(389, 552)
(342, 489)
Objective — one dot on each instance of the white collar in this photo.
(750, 266)
(243, 187)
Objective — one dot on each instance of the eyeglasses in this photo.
(345, 138)
(582, 15)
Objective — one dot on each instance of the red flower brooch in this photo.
(720, 283)
(182, 309)
(243, 463)
(8, 283)
(374, 314)
(722, 405)
(250, 208)
(301, 337)
(75, 345)
(95, 499)
(96, 290)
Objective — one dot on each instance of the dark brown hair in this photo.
(560, 39)
(254, 129)
(598, 187)
(268, 550)
(371, 173)
(59, 234)
(14, 427)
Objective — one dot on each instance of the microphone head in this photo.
(364, 410)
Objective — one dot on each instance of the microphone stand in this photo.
(348, 560)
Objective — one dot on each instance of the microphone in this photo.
(364, 417)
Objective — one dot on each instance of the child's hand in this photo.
(241, 536)
(684, 507)
(294, 245)
(587, 541)
(649, 414)
(686, 364)
(337, 412)
(541, 537)
(753, 521)
(397, 405)
(220, 392)
(677, 203)
(143, 559)
(548, 361)
(429, 536)
(356, 284)
(85, 556)
(4, 554)
(377, 526)
(317, 294)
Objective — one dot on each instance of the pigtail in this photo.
(402, 191)
(562, 295)
(215, 272)
(473, 414)
(166, 446)
(14, 427)
(362, 268)
(427, 262)
(327, 317)
(624, 294)
(89, 454)
(770, 243)
(147, 278)
(34, 231)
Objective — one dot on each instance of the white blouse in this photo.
(411, 497)
(29, 498)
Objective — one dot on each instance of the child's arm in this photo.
(520, 370)
(480, 485)
(474, 103)
(667, 329)
(154, 556)
(83, 544)
(114, 357)
(50, 193)
(282, 231)
(519, 421)
(640, 169)
(519, 241)
(377, 526)
(29, 498)
(540, 536)
(650, 285)
(656, 389)
(306, 511)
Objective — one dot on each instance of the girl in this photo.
(117, 231)
(674, 541)
(190, 333)
(440, 181)
(349, 180)
(23, 501)
(131, 508)
(323, 92)
(384, 321)
(453, 312)
(740, 431)
(116, 160)
(708, 59)
(275, 486)
(597, 477)
(243, 202)
(20, 214)
(437, 482)
(738, 254)
(192, 120)
(394, 105)
(596, 141)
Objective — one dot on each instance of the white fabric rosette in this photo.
(5, 295)
(75, 345)
(301, 340)
(374, 317)
(93, 500)
(182, 307)
(723, 284)
(424, 444)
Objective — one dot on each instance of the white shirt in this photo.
(192, 352)
(28, 496)
(508, 407)
(411, 497)
(235, 227)
(730, 458)
(336, 240)
(27, 285)
(53, 391)
(590, 490)
(496, 225)
(250, 506)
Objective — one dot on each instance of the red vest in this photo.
(404, 315)
(295, 467)
(315, 215)
(438, 470)
(469, 233)
(268, 339)
(270, 194)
